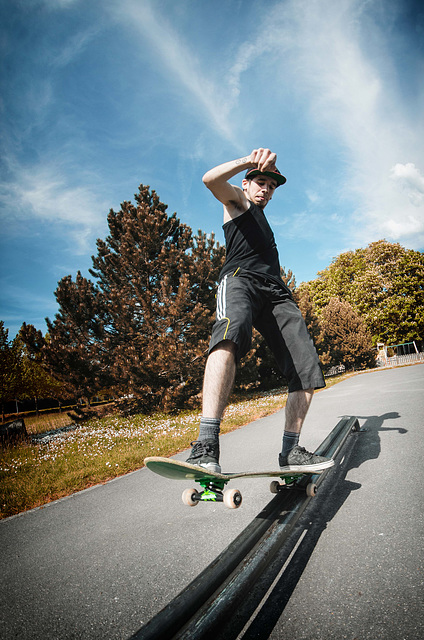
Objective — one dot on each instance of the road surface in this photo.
(102, 562)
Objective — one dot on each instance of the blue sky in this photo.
(100, 96)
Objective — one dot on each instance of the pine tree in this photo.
(143, 327)
(74, 350)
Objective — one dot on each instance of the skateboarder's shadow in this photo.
(331, 496)
(368, 446)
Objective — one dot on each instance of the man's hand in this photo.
(264, 159)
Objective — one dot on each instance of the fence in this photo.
(12, 415)
(397, 361)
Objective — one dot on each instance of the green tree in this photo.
(384, 283)
(10, 368)
(288, 278)
(345, 338)
(36, 382)
(303, 299)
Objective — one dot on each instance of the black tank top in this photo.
(251, 245)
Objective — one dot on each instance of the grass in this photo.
(54, 464)
(46, 422)
(36, 472)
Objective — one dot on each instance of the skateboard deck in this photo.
(213, 483)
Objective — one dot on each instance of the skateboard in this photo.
(213, 483)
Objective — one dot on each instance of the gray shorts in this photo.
(246, 300)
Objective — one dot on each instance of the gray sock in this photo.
(209, 428)
(290, 440)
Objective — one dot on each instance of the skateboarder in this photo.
(252, 293)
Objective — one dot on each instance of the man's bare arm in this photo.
(216, 179)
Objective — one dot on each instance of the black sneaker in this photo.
(205, 454)
(300, 460)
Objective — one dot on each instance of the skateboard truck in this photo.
(291, 482)
(213, 491)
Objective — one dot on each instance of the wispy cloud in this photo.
(336, 59)
(74, 47)
(24, 297)
(180, 62)
(352, 90)
(53, 5)
(42, 193)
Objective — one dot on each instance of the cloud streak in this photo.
(42, 193)
(180, 63)
(350, 95)
(336, 60)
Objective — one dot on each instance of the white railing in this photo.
(396, 361)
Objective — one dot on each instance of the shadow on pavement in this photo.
(331, 496)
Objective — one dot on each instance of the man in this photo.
(252, 293)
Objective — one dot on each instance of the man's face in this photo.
(260, 189)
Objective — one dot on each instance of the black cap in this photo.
(275, 175)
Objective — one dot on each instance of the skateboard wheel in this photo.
(274, 487)
(232, 498)
(188, 497)
(311, 489)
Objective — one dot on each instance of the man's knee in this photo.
(227, 346)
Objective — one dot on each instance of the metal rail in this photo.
(206, 603)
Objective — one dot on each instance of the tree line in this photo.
(140, 326)
(22, 376)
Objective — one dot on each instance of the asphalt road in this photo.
(102, 562)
